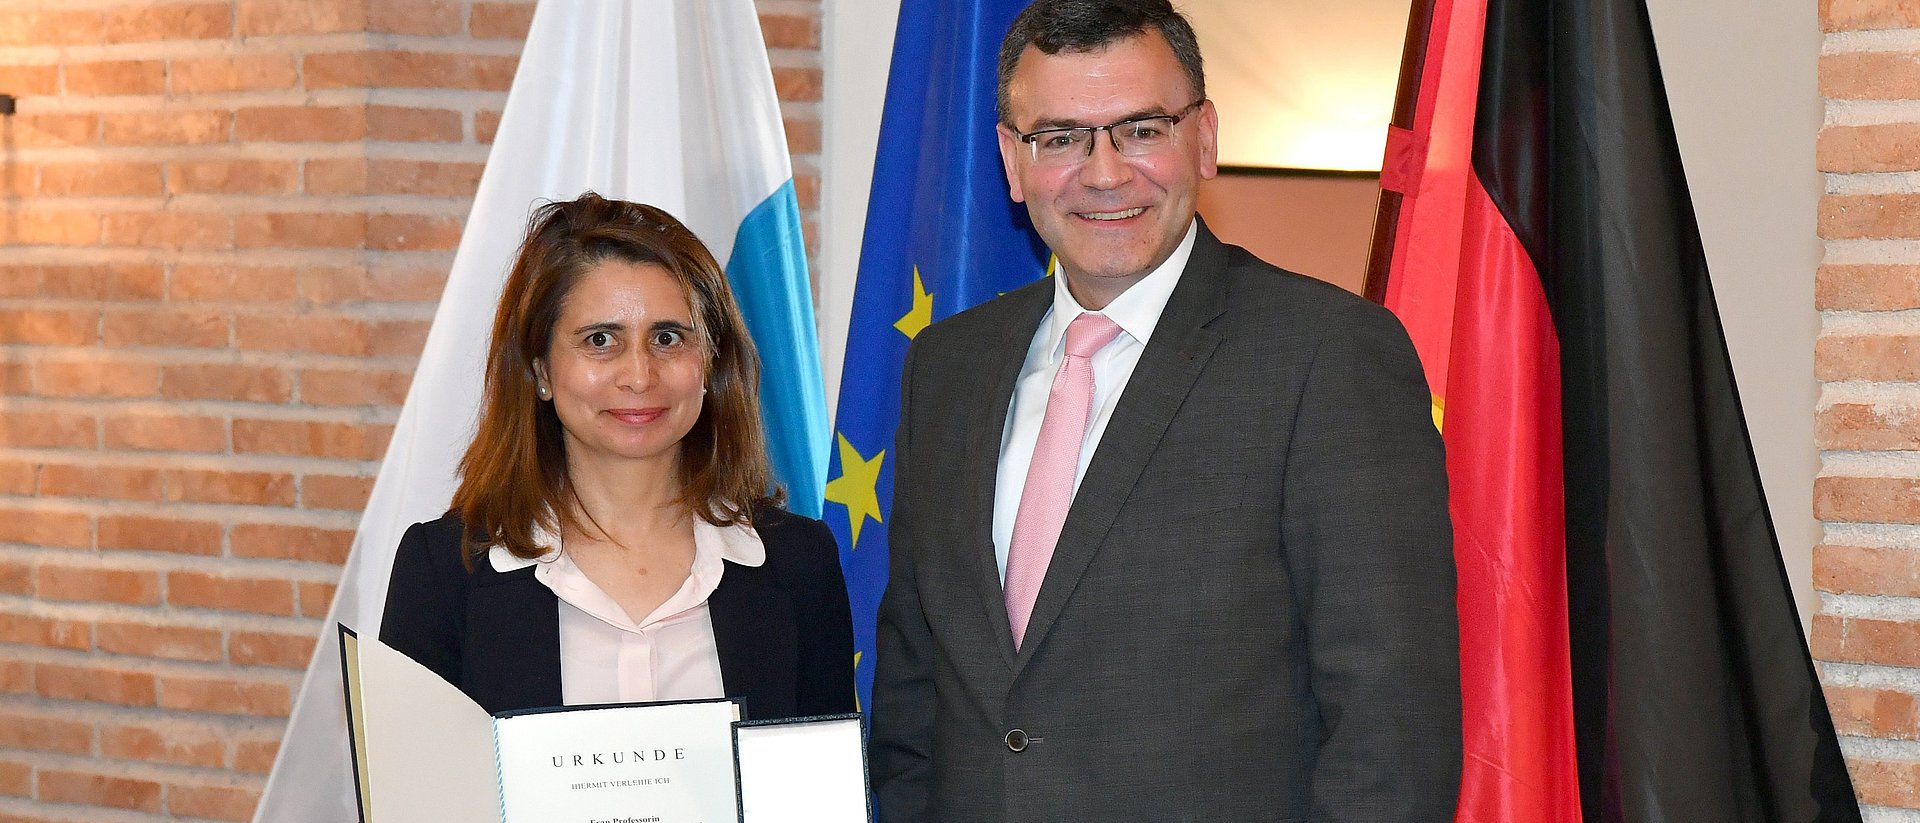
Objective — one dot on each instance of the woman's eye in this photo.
(667, 337)
(599, 340)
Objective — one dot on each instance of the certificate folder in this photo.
(806, 770)
(423, 750)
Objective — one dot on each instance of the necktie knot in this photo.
(1089, 333)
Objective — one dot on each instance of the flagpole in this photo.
(1406, 101)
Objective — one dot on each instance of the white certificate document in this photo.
(651, 763)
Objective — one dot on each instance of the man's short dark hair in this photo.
(1054, 26)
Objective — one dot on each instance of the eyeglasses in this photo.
(1137, 137)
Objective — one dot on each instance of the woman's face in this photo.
(625, 369)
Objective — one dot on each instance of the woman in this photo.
(612, 538)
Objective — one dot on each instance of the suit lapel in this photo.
(757, 640)
(513, 641)
(1005, 354)
(1172, 361)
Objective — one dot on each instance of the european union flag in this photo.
(942, 236)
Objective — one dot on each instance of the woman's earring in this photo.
(545, 393)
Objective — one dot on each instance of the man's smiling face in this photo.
(1110, 219)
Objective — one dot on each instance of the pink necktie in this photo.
(1056, 456)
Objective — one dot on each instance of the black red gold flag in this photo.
(1629, 647)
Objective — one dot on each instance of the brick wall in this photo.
(1867, 567)
(223, 227)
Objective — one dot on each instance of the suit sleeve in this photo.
(900, 745)
(1368, 540)
(425, 612)
(826, 629)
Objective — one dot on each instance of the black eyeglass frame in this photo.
(1032, 138)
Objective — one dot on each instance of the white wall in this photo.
(1746, 107)
(1741, 77)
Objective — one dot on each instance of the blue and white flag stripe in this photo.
(668, 102)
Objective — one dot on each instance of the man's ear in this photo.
(1209, 140)
(1010, 146)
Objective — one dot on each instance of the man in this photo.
(1245, 610)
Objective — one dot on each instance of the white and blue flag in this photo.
(667, 102)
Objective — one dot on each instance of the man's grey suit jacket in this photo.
(1250, 612)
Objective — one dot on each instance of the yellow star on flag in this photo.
(857, 487)
(921, 315)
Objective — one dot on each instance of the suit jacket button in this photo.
(1017, 740)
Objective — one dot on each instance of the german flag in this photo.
(1629, 647)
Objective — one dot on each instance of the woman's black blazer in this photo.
(783, 630)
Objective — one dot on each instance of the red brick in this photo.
(159, 534)
(34, 732)
(803, 135)
(45, 528)
(50, 28)
(315, 598)
(50, 327)
(168, 642)
(1857, 15)
(255, 756)
(252, 72)
(228, 283)
(117, 77)
(1866, 570)
(172, 742)
(171, 328)
(287, 651)
(412, 70)
(167, 127)
(104, 281)
(1857, 427)
(340, 230)
(264, 540)
(412, 232)
(16, 779)
(263, 17)
(1868, 75)
(16, 577)
(204, 21)
(319, 334)
(30, 81)
(21, 281)
(38, 131)
(797, 84)
(165, 431)
(212, 802)
(217, 381)
(94, 684)
(408, 125)
(245, 594)
(301, 124)
(403, 282)
(241, 487)
(167, 230)
(397, 338)
(50, 228)
(16, 677)
(422, 178)
(95, 789)
(1879, 357)
(109, 482)
(431, 18)
(101, 180)
(1867, 287)
(1885, 782)
(486, 124)
(18, 477)
(499, 21)
(95, 378)
(790, 31)
(1869, 216)
(300, 438)
(126, 586)
(320, 491)
(52, 633)
(233, 177)
(344, 176)
(1875, 148)
(1867, 500)
(221, 695)
(352, 387)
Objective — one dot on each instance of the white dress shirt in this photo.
(1137, 312)
(607, 657)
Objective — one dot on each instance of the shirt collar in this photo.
(738, 543)
(1137, 310)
